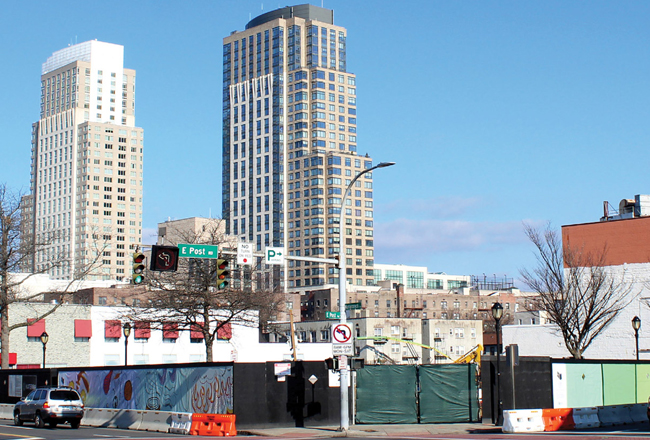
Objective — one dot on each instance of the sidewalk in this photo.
(374, 430)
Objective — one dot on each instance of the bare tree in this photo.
(190, 298)
(18, 251)
(580, 294)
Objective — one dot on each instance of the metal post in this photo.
(343, 359)
(497, 314)
(499, 404)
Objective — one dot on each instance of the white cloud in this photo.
(435, 236)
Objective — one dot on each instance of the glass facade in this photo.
(290, 142)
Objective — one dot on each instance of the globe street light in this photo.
(636, 325)
(497, 313)
(44, 339)
(127, 332)
(343, 359)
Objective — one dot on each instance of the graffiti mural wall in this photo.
(195, 390)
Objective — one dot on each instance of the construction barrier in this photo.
(125, 419)
(639, 412)
(614, 415)
(159, 421)
(181, 423)
(6, 411)
(523, 420)
(213, 424)
(586, 418)
(100, 417)
(558, 419)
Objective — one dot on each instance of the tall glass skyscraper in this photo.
(290, 144)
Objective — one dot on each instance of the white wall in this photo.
(616, 342)
(243, 347)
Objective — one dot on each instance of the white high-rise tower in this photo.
(87, 168)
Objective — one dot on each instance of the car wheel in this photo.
(38, 421)
(53, 424)
(74, 424)
(17, 420)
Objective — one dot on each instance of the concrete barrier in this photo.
(126, 419)
(6, 411)
(523, 420)
(181, 423)
(100, 417)
(159, 421)
(614, 415)
(586, 418)
(639, 412)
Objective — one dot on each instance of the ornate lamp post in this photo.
(44, 338)
(636, 325)
(127, 331)
(497, 314)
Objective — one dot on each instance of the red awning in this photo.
(112, 329)
(195, 331)
(83, 328)
(142, 330)
(225, 332)
(170, 330)
(35, 329)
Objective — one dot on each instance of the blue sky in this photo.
(496, 112)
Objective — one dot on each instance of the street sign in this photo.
(245, 253)
(274, 255)
(353, 306)
(342, 349)
(342, 340)
(198, 251)
(341, 334)
(332, 315)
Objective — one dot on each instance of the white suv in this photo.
(50, 405)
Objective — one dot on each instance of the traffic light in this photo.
(332, 363)
(164, 258)
(138, 267)
(222, 273)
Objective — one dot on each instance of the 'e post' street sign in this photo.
(332, 315)
(198, 251)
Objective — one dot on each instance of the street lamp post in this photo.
(44, 338)
(497, 313)
(343, 359)
(636, 325)
(127, 332)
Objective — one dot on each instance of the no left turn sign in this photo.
(341, 334)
